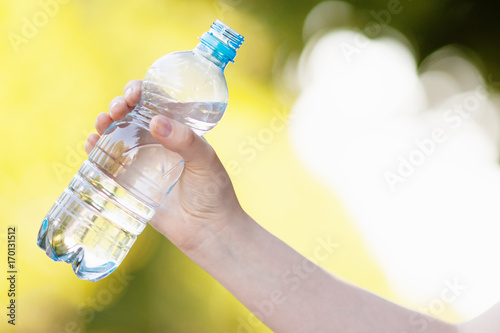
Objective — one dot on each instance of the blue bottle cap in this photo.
(222, 40)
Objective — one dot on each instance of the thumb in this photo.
(181, 139)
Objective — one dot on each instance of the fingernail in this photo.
(163, 127)
(113, 104)
(128, 92)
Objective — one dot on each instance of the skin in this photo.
(204, 219)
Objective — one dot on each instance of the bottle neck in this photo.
(216, 57)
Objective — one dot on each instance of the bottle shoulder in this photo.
(187, 77)
(179, 60)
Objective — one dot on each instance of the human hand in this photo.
(203, 202)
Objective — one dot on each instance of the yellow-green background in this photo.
(54, 84)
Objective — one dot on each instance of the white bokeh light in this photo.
(357, 121)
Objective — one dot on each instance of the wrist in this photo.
(217, 241)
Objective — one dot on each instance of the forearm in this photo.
(488, 322)
(291, 294)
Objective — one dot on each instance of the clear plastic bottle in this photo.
(128, 174)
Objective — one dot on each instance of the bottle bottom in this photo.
(93, 224)
(108, 203)
(84, 267)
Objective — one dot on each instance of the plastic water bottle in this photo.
(128, 174)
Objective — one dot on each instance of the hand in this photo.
(203, 202)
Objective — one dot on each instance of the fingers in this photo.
(118, 109)
(91, 141)
(102, 122)
(132, 92)
(195, 151)
(121, 106)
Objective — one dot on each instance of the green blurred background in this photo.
(61, 63)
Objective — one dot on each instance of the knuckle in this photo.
(189, 138)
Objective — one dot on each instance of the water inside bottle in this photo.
(200, 116)
(107, 204)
